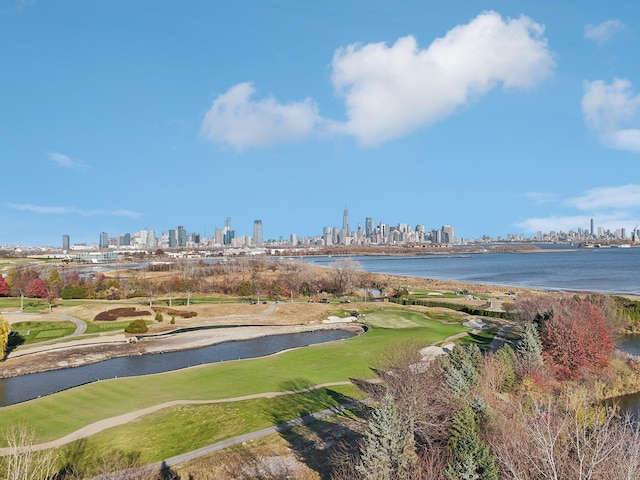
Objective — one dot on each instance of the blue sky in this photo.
(496, 117)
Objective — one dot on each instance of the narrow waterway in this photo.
(27, 387)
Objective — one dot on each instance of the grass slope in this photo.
(56, 415)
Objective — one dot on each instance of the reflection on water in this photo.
(27, 387)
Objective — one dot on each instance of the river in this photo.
(27, 387)
(605, 270)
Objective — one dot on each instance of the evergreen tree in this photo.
(387, 452)
(507, 357)
(461, 369)
(471, 457)
(530, 349)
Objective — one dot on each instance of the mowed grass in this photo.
(33, 332)
(184, 428)
(101, 327)
(56, 415)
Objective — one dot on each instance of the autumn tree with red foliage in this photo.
(576, 339)
(4, 287)
(37, 288)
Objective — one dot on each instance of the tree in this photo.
(471, 457)
(54, 282)
(19, 278)
(294, 275)
(387, 452)
(576, 339)
(529, 349)
(344, 275)
(4, 287)
(461, 369)
(245, 288)
(37, 288)
(72, 278)
(5, 330)
(24, 462)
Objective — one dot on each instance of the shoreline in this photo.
(76, 355)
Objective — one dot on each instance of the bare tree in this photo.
(294, 275)
(344, 275)
(25, 462)
(547, 441)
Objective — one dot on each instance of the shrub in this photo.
(173, 320)
(137, 326)
(177, 313)
(159, 317)
(114, 313)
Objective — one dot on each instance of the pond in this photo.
(27, 387)
(630, 403)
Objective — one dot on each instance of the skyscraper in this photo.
(66, 244)
(182, 236)
(104, 240)
(447, 234)
(257, 233)
(368, 226)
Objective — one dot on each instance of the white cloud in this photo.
(603, 31)
(53, 210)
(624, 196)
(610, 207)
(610, 222)
(554, 223)
(611, 110)
(391, 91)
(237, 120)
(65, 161)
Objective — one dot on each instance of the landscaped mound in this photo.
(115, 313)
(175, 313)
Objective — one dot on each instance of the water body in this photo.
(27, 387)
(605, 270)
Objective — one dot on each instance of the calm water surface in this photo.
(27, 387)
(606, 270)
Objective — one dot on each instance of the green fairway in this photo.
(33, 332)
(57, 415)
(185, 428)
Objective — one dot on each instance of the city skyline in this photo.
(499, 118)
(372, 233)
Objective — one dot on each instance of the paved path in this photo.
(500, 338)
(15, 317)
(101, 425)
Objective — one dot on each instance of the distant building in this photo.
(447, 234)
(257, 233)
(173, 239)
(104, 240)
(66, 243)
(182, 236)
